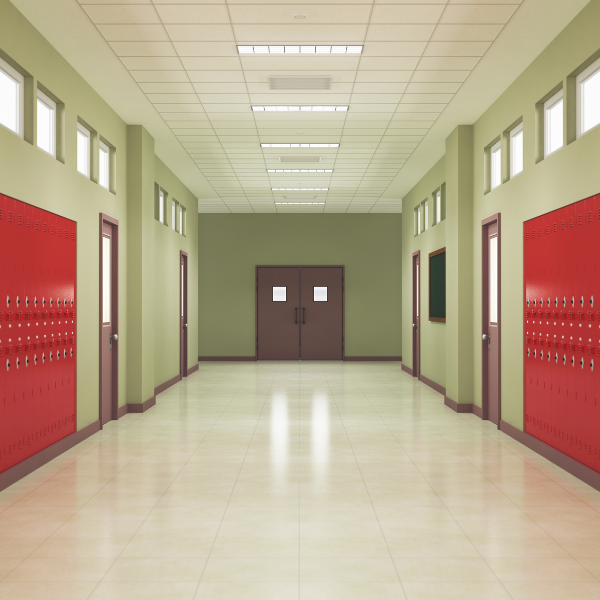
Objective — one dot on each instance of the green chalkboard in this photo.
(437, 286)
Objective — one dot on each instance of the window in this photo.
(11, 98)
(46, 123)
(161, 206)
(418, 220)
(180, 220)
(588, 99)
(320, 294)
(174, 215)
(495, 166)
(516, 150)
(426, 215)
(106, 278)
(83, 150)
(438, 206)
(182, 223)
(104, 172)
(279, 294)
(553, 124)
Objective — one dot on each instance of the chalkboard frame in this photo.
(431, 255)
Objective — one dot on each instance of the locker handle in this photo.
(296, 317)
(303, 315)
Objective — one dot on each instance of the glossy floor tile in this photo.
(300, 481)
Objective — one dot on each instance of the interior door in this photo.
(416, 324)
(278, 304)
(108, 322)
(491, 323)
(322, 322)
(183, 311)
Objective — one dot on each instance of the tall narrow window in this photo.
(11, 98)
(182, 223)
(104, 170)
(516, 150)
(83, 150)
(553, 124)
(588, 99)
(493, 275)
(180, 220)
(426, 215)
(174, 215)
(161, 206)
(438, 206)
(418, 220)
(495, 166)
(106, 278)
(46, 123)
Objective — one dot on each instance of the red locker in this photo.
(562, 297)
(38, 274)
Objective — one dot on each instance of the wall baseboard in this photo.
(193, 369)
(141, 408)
(29, 465)
(379, 358)
(407, 369)
(456, 407)
(224, 358)
(570, 465)
(166, 385)
(433, 385)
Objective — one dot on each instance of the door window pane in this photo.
(104, 166)
(106, 279)
(46, 124)
(320, 294)
(417, 290)
(279, 294)
(493, 275)
(83, 150)
(181, 290)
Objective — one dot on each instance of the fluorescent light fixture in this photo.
(299, 170)
(277, 49)
(300, 145)
(300, 108)
(299, 202)
(300, 189)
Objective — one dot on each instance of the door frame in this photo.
(300, 292)
(416, 372)
(183, 371)
(485, 316)
(114, 255)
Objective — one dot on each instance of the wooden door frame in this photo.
(183, 372)
(485, 223)
(114, 255)
(300, 292)
(416, 255)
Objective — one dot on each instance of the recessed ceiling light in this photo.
(299, 202)
(300, 145)
(299, 170)
(277, 49)
(300, 189)
(300, 108)
(300, 15)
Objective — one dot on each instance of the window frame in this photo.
(548, 106)
(497, 147)
(13, 74)
(588, 73)
(104, 148)
(88, 135)
(514, 132)
(51, 105)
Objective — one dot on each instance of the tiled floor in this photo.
(310, 481)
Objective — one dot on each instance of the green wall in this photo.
(30, 175)
(569, 175)
(230, 247)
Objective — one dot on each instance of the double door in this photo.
(300, 313)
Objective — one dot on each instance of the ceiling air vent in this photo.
(300, 83)
(299, 159)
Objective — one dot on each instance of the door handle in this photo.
(486, 337)
(296, 318)
(115, 337)
(303, 319)
(185, 325)
(414, 325)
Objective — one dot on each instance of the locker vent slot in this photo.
(9, 217)
(580, 220)
(20, 219)
(590, 217)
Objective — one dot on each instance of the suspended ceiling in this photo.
(417, 57)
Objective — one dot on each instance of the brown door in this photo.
(278, 304)
(416, 324)
(108, 320)
(322, 329)
(183, 311)
(491, 322)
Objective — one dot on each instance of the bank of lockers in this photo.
(37, 330)
(561, 311)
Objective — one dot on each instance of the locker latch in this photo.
(592, 364)
(7, 364)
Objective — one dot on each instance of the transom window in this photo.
(495, 166)
(553, 124)
(83, 150)
(46, 123)
(11, 98)
(516, 150)
(104, 171)
(588, 99)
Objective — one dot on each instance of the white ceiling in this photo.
(417, 55)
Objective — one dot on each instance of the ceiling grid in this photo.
(183, 54)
